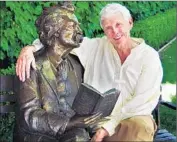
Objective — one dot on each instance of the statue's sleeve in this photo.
(32, 116)
(37, 44)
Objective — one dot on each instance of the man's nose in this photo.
(115, 30)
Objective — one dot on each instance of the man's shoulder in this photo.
(95, 39)
(144, 47)
(145, 50)
(151, 50)
(150, 53)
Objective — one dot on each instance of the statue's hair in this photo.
(51, 21)
(114, 8)
(48, 23)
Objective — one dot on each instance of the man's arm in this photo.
(26, 59)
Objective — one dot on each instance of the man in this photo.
(117, 61)
(45, 99)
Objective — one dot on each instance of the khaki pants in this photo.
(137, 128)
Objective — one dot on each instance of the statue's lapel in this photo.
(49, 76)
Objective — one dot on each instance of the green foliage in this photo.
(143, 9)
(18, 27)
(158, 29)
(168, 58)
(168, 116)
(168, 119)
(10, 70)
(18, 18)
(173, 99)
(6, 128)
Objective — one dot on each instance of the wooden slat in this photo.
(7, 82)
(164, 136)
(7, 98)
(161, 131)
(7, 108)
(7, 87)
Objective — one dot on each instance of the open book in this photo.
(90, 101)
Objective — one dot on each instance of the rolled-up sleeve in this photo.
(37, 44)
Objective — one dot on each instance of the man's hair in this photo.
(113, 8)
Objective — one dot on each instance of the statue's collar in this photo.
(57, 59)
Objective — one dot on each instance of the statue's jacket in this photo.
(45, 99)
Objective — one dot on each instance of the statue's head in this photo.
(59, 25)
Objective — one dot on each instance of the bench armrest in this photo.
(168, 104)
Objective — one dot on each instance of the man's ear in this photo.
(131, 23)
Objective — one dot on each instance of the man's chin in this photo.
(119, 41)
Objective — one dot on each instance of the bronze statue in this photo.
(45, 99)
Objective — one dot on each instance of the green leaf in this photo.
(2, 55)
(83, 5)
(38, 10)
(4, 44)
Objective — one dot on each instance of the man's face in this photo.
(117, 29)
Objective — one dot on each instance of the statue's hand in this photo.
(83, 121)
(25, 60)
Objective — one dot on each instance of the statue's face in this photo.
(59, 27)
(70, 34)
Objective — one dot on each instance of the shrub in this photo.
(168, 119)
(158, 29)
(17, 21)
(173, 99)
(7, 120)
(168, 58)
(6, 127)
(9, 70)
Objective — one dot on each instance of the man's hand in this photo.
(25, 60)
(99, 136)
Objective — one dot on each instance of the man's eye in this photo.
(118, 24)
(109, 29)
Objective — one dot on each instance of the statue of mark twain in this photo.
(44, 102)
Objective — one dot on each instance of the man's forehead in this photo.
(116, 15)
(114, 18)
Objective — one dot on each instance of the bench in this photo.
(162, 134)
(8, 99)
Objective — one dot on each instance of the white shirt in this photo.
(138, 78)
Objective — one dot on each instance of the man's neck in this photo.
(124, 49)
